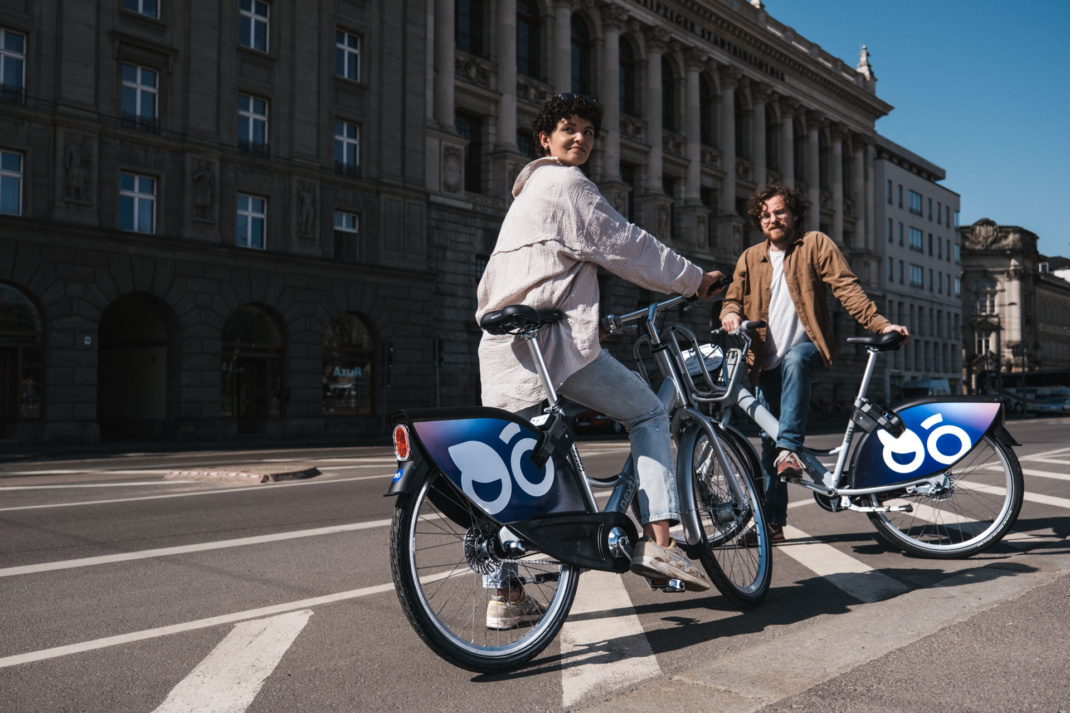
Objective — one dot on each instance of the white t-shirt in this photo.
(785, 330)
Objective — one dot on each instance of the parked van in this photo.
(922, 388)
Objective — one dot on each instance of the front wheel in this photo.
(440, 548)
(736, 551)
(971, 510)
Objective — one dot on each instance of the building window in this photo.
(22, 368)
(347, 55)
(629, 71)
(346, 236)
(958, 286)
(958, 253)
(916, 240)
(900, 272)
(900, 195)
(252, 221)
(254, 25)
(251, 383)
(252, 125)
(471, 128)
(930, 244)
(12, 67)
(469, 26)
(891, 269)
(137, 203)
(346, 148)
(932, 284)
(481, 267)
(917, 276)
(349, 355)
(915, 203)
(581, 57)
(10, 183)
(956, 219)
(939, 248)
(891, 230)
(889, 192)
(939, 210)
(139, 98)
(668, 97)
(900, 233)
(527, 38)
(142, 7)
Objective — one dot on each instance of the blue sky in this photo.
(981, 88)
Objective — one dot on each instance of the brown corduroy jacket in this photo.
(810, 263)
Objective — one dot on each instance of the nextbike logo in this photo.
(911, 450)
(481, 465)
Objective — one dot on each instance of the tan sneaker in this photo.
(788, 466)
(652, 560)
(503, 614)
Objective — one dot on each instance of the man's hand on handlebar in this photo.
(730, 322)
(712, 283)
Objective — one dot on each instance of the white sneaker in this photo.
(650, 559)
(503, 614)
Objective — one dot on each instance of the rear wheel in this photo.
(972, 507)
(730, 513)
(440, 548)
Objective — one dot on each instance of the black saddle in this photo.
(517, 319)
(880, 342)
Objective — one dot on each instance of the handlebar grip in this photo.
(749, 324)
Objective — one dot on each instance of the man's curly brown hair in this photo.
(564, 106)
(756, 204)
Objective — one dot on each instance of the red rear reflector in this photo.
(401, 443)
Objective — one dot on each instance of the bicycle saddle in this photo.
(515, 319)
(880, 342)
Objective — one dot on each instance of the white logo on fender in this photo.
(479, 463)
(910, 444)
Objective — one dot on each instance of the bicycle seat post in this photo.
(540, 365)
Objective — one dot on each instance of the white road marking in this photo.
(228, 680)
(603, 653)
(843, 571)
(123, 484)
(1045, 474)
(198, 493)
(187, 549)
(1027, 496)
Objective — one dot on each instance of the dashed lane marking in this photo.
(228, 680)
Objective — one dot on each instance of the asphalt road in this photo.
(127, 591)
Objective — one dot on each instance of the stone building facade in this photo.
(234, 217)
(921, 272)
(1016, 313)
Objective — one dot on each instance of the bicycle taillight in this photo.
(402, 445)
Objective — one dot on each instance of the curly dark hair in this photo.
(756, 204)
(564, 106)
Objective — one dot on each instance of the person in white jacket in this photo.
(558, 231)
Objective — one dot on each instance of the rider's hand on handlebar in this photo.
(712, 283)
(730, 322)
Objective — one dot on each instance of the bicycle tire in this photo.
(440, 586)
(742, 573)
(974, 513)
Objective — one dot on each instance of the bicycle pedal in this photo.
(665, 584)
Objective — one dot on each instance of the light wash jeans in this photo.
(785, 392)
(608, 386)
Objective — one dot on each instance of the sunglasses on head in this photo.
(573, 97)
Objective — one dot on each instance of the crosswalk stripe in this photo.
(843, 571)
(1045, 474)
(602, 652)
(1028, 496)
(228, 680)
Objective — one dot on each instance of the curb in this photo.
(243, 476)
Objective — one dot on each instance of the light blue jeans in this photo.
(785, 391)
(608, 386)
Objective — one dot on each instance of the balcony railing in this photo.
(254, 148)
(349, 170)
(147, 124)
(10, 94)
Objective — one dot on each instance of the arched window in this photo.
(629, 71)
(527, 39)
(668, 96)
(581, 57)
(21, 367)
(349, 353)
(252, 386)
(469, 26)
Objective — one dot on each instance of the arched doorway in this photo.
(252, 380)
(349, 368)
(21, 366)
(136, 369)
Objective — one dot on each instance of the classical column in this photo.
(694, 61)
(727, 123)
(562, 48)
(444, 63)
(868, 159)
(836, 179)
(787, 141)
(858, 195)
(613, 19)
(813, 168)
(760, 94)
(507, 74)
(656, 41)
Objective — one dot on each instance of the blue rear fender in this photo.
(939, 433)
